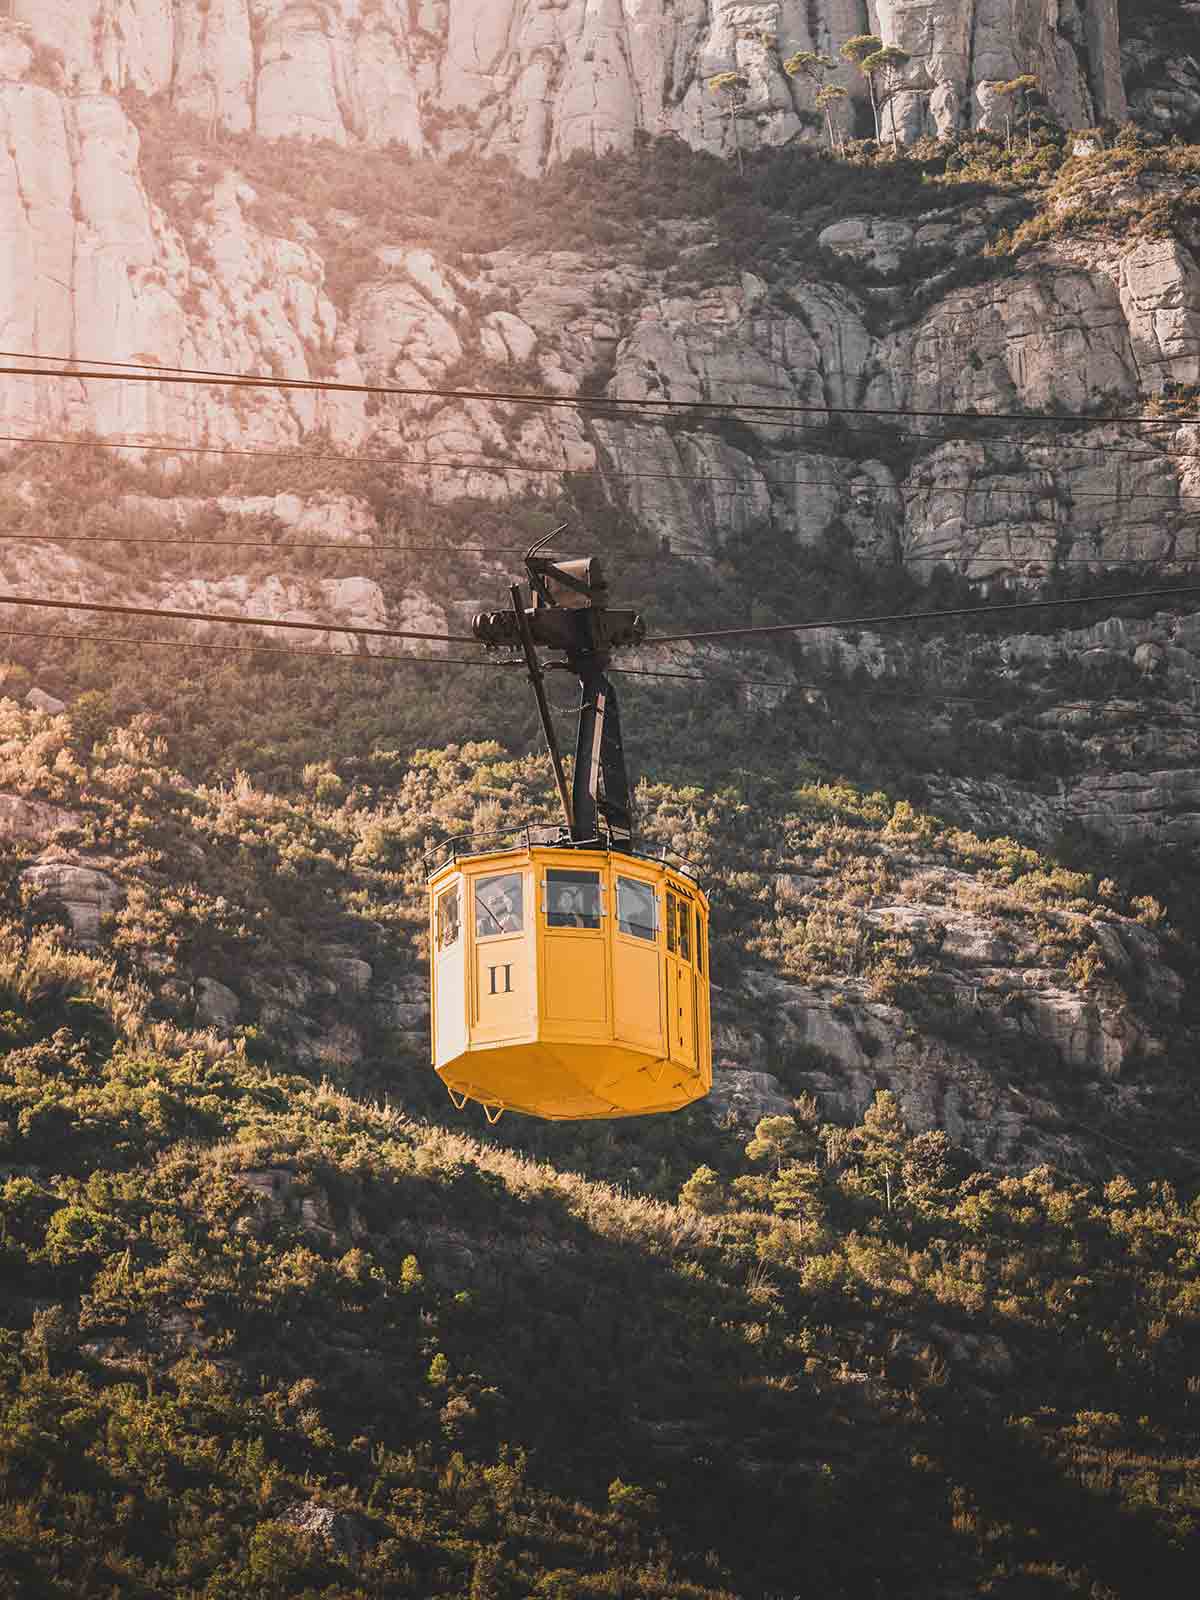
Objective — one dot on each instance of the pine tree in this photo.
(882, 1140)
(814, 66)
(888, 62)
(859, 51)
(1019, 91)
(831, 95)
(731, 86)
(775, 1138)
(703, 1192)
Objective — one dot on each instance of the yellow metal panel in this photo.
(638, 992)
(623, 1026)
(505, 1001)
(575, 982)
(681, 1013)
(568, 1082)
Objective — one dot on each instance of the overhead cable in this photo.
(492, 465)
(775, 630)
(364, 552)
(192, 377)
(225, 617)
(779, 629)
(741, 484)
(705, 677)
(355, 659)
(351, 658)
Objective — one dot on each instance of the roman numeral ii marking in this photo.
(507, 971)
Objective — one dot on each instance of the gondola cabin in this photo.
(569, 982)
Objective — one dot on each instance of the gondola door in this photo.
(449, 975)
(681, 981)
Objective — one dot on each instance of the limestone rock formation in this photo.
(349, 600)
(841, 1046)
(1160, 59)
(87, 894)
(1071, 46)
(743, 1097)
(26, 819)
(38, 700)
(216, 1005)
(535, 82)
(210, 282)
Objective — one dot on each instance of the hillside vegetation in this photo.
(271, 1325)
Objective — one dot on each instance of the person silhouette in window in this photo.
(568, 907)
(574, 905)
(498, 913)
(637, 909)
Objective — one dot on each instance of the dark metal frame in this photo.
(569, 614)
(465, 845)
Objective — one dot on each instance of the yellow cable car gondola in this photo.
(569, 983)
(569, 975)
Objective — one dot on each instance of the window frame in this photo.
(652, 889)
(564, 877)
(452, 891)
(498, 933)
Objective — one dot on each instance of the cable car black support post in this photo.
(569, 614)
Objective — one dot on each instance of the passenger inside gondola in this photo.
(573, 899)
(635, 909)
(498, 906)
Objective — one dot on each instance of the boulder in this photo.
(745, 1097)
(38, 700)
(342, 1531)
(352, 976)
(33, 820)
(987, 1354)
(216, 1006)
(85, 893)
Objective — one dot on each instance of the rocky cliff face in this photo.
(534, 81)
(1070, 293)
(1074, 326)
(202, 283)
(123, 244)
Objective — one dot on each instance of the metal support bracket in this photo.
(536, 678)
(601, 800)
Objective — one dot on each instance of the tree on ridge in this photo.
(814, 66)
(888, 61)
(1020, 92)
(858, 52)
(731, 85)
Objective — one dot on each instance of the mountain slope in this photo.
(910, 1305)
(267, 1332)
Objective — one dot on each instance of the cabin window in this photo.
(685, 931)
(448, 921)
(572, 899)
(672, 904)
(499, 905)
(636, 908)
(699, 945)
